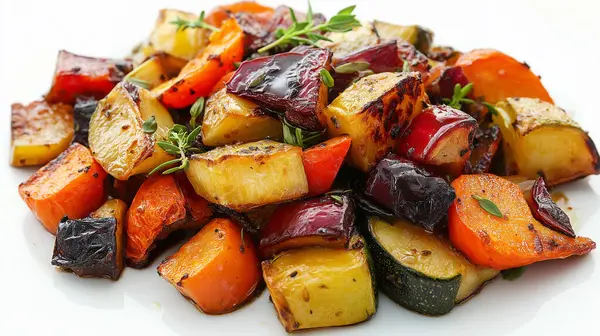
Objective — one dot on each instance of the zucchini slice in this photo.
(421, 271)
(320, 287)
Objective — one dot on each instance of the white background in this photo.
(560, 40)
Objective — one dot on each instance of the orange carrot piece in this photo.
(322, 162)
(497, 76)
(200, 75)
(215, 269)
(222, 13)
(70, 185)
(501, 243)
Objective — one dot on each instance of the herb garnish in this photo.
(179, 143)
(298, 137)
(352, 67)
(199, 23)
(149, 126)
(306, 32)
(196, 111)
(326, 78)
(458, 98)
(513, 273)
(488, 206)
(337, 199)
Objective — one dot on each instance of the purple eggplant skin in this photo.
(486, 143)
(87, 247)
(382, 57)
(417, 60)
(82, 113)
(289, 83)
(546, 211)
(410, 191)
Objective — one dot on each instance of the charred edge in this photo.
(240, 218)
(594, 152)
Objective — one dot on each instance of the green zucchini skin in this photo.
(409, 288)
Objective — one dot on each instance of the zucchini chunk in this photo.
(346, 43)
(541, 139)
(89, 247)
(418, 36)
(230, 119)
(421, 271)
(322, 221)
(265, 172)
(117, 138)
(185, 44)
(39, 132)
(375, 111)
(217, 269)
(320, 287)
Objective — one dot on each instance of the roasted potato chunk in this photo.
(418, 36)
(375, 111)
(344, 44)
(320, 287)
(39, 132)
(184, 44)
(229, 119)
(117, 138)
(541, 139)
(271, 172)
(156, 70)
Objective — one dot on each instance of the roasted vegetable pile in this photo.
(321, 159)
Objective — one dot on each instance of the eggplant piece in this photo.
(77, 75)
(89, 247)
(319, 287)
(409, 191)
(39, 132)
(418, 36)
(82, 112)
(325, 221)
(542, 206)
(375, 111)
(288, 82)
(417, 61)
(382, 57)
(485, 145)
(440, 136)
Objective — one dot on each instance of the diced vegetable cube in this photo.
(185, 44)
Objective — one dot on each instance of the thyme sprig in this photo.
(296, 136)
(306, 32)
(458, 98)
(179, 144)
(199, 23)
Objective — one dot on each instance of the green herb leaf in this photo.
(337, 199)
(138, 82)
(491, 108)
(193, 135)
(296, 136)
(305, 32)
(513, 273)
(488, 206)
(326, 77)
(149, 126)
(196, 111)
(352, 67)
(168, 147)
(199, 23)
(406, 66)
(163, 165)
(179, 143)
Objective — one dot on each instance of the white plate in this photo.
(559, 41)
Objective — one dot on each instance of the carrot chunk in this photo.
(497, 76)
(222, 13)
(215, 269)
(71, 185)
(322, 163)
(199, 76)
(513, 240)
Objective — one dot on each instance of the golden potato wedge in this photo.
(247, 176)
(344, 44)
(184, 44)
(541, 139)
(375, 111)
(39, 132)
(418, 36)
(157, 70)
(117, 139)
(229, 119)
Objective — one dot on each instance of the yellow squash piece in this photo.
(157, 70)
(247, 176)
(184, 44)
(418, 36)
(375, 111)
(541, 139)
(319, 287)
(39, 132)
(344, 44)
(117, 139)
(230, 119)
